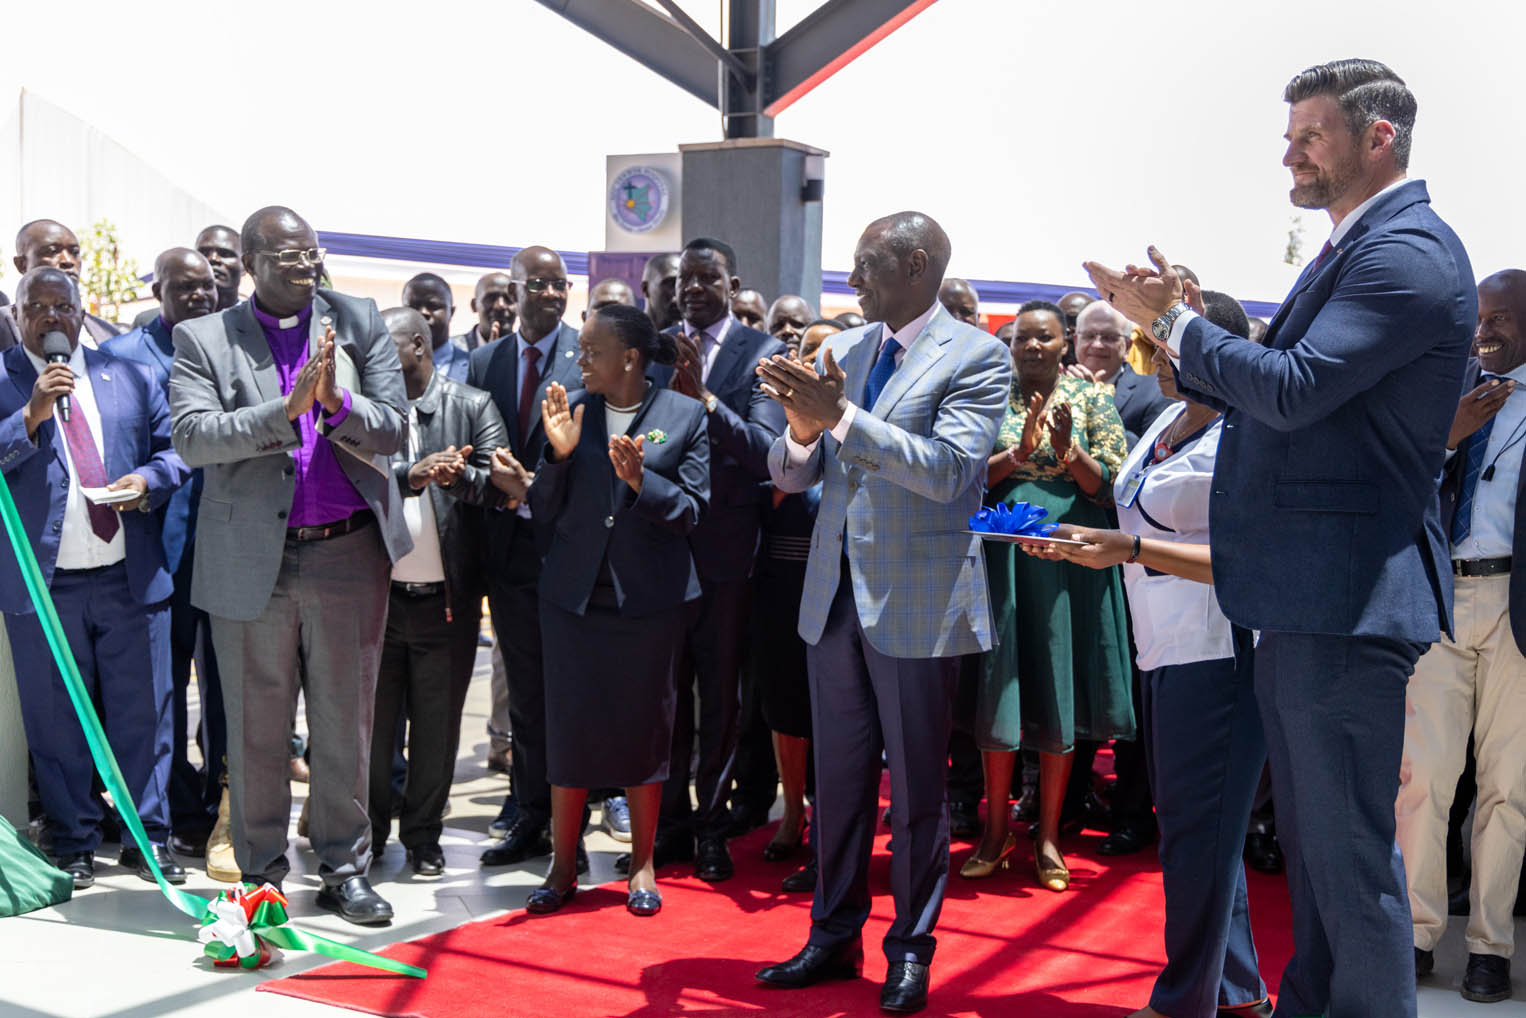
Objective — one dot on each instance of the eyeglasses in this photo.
(1102, 337)
(295, 256)
(542, 285)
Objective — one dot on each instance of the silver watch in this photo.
(710, 402)
(1162, 325)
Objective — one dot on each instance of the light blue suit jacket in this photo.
(897, 495)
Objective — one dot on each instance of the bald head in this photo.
(410, 334)
(221, 246)
(1500, 341)
(959, 298)
(47, 243)
(281, 256)
(659, 288)
(540, 288)
(787, 319)
(1102, 340)
(494, 304)
(1071, 304)
(898, 267)
(607, 292)
(430, 296)
(183, 285)
(750, 309)
(47, 300)
(264, 225)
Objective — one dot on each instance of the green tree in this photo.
(108, 278)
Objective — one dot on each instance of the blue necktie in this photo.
(1478, 442)
(880, 374)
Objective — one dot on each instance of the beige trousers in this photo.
(1476, 683)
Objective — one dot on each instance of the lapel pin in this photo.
(105, 377)
(325, 321)
(567, 354)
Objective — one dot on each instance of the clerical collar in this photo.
(270, 321)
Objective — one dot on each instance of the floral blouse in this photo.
(1095, 427)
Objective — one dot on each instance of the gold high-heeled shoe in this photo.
(1054, 876)
(976, 868)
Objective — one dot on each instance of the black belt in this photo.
(336, 529)
(1481, 566)
(417, 589)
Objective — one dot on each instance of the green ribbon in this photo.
(192, 905)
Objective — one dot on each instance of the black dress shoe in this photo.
(813, 964)
(1425, 963)
(643, 902)
(802, 880)
(963, 820)
(545, 900)
(81, 868)
(524, 841)
(905, 989)
(1026, 809)
(427, 860)
(132, 859)
(666, 850)
(354, 900)
(582, 859)
(744, 821)
(1126, 840)
(1263, 853)
(713, 861)
(190, 846)
(1487, 979)
(1260, 1009)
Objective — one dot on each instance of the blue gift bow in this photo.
(1019, 518)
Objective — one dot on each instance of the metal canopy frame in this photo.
(753, 76)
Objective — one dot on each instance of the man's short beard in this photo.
(1326, 189)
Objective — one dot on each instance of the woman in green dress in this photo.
(1061, 629)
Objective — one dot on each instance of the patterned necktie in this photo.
(89, 471)
(1477, 444)
(880, 374)
(529, 382)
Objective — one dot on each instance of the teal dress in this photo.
(1060, 669)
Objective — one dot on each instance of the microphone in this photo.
(56, 349)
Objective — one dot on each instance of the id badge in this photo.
(1131, 488)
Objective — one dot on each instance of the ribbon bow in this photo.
(1020, 518)
(228, 928)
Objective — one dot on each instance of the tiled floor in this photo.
(119, 950)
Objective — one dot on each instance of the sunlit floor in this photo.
(119, 950)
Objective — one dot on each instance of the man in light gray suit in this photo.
(895, 591)
(293, 403)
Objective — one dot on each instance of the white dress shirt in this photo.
(1179, 327)
(1493, 533)
(78, 545)
(423, 564)
(1176, 621)
(905, 335)
(716, 333)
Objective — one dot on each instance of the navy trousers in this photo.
(122, 649)
(1204, 750)
(194, 794)
(863, 702)
(1333, 711)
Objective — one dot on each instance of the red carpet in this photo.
(1005, 947)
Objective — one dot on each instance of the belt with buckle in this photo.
(417, 589)
(336, 529)
(1481, 566)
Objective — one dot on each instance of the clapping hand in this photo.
(1033, 429)
(443, 468)
(563, 426)
(812, 403)
(1478, 406)
(327, 391)
(688, 370)
(1142, 294)
(510, 476)
(1060, 421)
(627, 454)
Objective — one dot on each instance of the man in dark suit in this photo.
(515, 371)
(43, 242)
(1102, 347)
(1471, 684)
(1326, 526)
(716, 358)
(430, 296)
(293, 404)
(104, 566)
(493, 302)
(659, 290)
(434, 608)
(186, 288)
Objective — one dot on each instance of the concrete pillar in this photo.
(763, 197)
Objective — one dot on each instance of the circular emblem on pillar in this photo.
(638, 199)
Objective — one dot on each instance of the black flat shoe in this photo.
(1425, 963)
(643, 903)
(905, 990)
(1124, 841)
(1260, 1009)
(545, 900)
(81, 868)
(521, 843)
(1487, 979)
(813, 964)
(712, 862)
(355, 901)
(132, 859)
(193, 847)
(427, 860)
(802, 880)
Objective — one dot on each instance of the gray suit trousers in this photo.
(862, 702)
(322, 633)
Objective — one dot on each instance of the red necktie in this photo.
(1321, 256)
(89, 471)
(529, 382)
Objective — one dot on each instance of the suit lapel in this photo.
(921, 355)
(244, 331)
(727, 359)
(104, 386)
(857, 359)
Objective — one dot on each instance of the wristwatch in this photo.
(1162, 325)
(710, 403)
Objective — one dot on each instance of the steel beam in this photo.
(650, 38)
(825, 41)
(697, 32)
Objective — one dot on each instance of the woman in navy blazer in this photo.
(623, 479)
